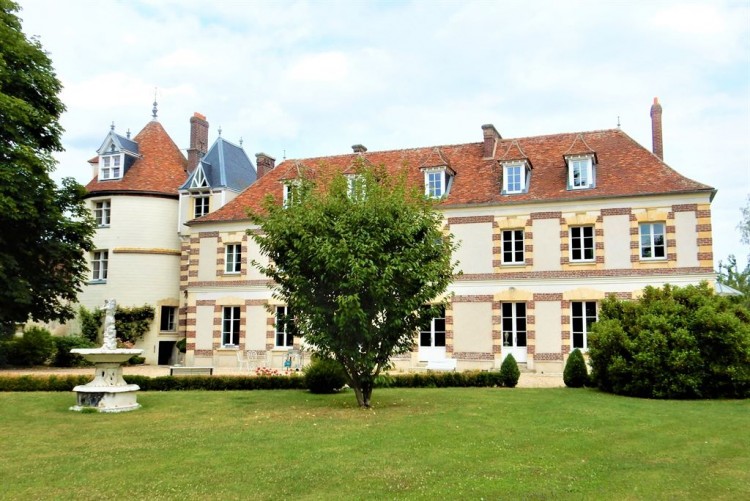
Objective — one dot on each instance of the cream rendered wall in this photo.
(686, 239)
(546, 244)
(204, 326)
(207, 259)
(253, 254)
(256, 328)
(547, 326)
(472, 327)
(616, 242)
(475, 247)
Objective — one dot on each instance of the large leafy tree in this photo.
(44, 229)
(360, 262)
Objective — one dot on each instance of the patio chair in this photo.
(242, 360)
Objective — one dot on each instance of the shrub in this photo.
(35, 347)
(575, 374)
(324, 375)
(91, 323)
(509, 372)
(63, 357)
(672, 343)
(181, 345)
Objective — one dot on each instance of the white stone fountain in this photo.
(108, 392)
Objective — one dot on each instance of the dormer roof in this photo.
(514, 153)
(225, 165)
(579, 148)
(121, 144)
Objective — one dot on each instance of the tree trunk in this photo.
(363, 392)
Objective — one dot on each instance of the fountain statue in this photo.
(108, 391)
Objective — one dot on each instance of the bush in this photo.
(64, 358)
(35, 347)
(576, 374)
(672, 343)
(324, 375)
(509, 372)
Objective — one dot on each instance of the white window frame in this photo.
(586, 321)
(513, 324)
(585, 166)
(581, 246)
(233, 259)
(103, 213)
(100, 265)
(650, 245)
(199, 180)
(288, 187)
(168, 319)
(201, 204)
(230, 326)
(432, 332)
(355, 188)
(513, 242)
(282, 328)
(111, 166)
(523, 174)
(437, 182)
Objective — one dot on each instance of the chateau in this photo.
(548, 226)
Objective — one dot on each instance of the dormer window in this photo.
(516, 177)
(355, 186)
(289, 187)
(581, 172)
(437, 181)
(111, 167)
(199, 180)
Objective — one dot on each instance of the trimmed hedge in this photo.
(223, 383)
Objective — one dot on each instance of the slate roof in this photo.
(226, 165)
(625, 168)
(159, 170)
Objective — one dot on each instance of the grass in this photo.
(455, 443)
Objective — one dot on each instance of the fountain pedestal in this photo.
(108, 391)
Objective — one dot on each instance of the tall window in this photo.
(513, 179)
(514, 324)
(653, 245)
(513, 249)
(230, 322)
(580, 173)
(233, 259)
(583, 316)
(168, 314)
(99, 265)
(434, 187)
(110, 168)
(201, 205)
(433, 335)
(102, 212)
(582, 243)
(284, 327)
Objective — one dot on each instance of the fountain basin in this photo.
(108, 391)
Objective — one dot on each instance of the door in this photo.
(166, 350)
(514, 331)
(432, 340)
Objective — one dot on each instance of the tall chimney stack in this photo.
(656, 138)
(491, 137)
(198, 140)
(264, 164)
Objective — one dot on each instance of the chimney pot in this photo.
(198, 140)
(264, 164)
(656, 134)
(359, 148)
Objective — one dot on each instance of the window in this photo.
(233, 258)
(167, 322)
(99, 265)
(355, 186)
(516, 178)
(652, 241)
(580, 173)
(199, 180)
(583, 315)
(230, 322)
(437, 181)
(102, 213)
(582, 243)
(110, 168)
(433, 335)
(289, 191)
(284, 327)
(514, 324)
(201, 205)
(513, 247)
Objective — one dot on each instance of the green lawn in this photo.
(457, 443)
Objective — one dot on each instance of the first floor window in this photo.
(99, 265)
(233, 260)
(201, 205)
(513, 247)
(652, 244)
(582, 316)
(582, 243)
(168, 314)
(433, 335)
(230, 330)
(101, 213)
(514, 324)
(284, 327)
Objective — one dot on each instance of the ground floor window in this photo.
(514, 324)
(433, 335)
(583, 316)
(284, 327)
(100, 265)
(230, 331)
(167, 322)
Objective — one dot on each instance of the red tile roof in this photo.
(624, 168)
(160, 170)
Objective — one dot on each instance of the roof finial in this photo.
(284, 157)
(618, 121)
(127, 134)
(154, 110)
(112, 127)
(219, 130)
(240, 141)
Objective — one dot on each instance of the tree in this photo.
(44, 229)
(744, 225)
(360, 265)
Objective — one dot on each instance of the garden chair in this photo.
(242, 360)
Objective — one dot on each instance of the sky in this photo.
(298, 79)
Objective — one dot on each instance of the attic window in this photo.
(437, 181)
(581, 172)
(110, 167)
(516, 177)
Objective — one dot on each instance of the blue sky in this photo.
(301, 79)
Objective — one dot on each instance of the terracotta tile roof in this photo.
(624, 168)
(160, 170)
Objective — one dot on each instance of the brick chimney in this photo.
(359, 148)
(198, 140)
(656, 139)
(264, 164)
(491, 137)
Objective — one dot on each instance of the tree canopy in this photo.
(44, 229)
(361, 262)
